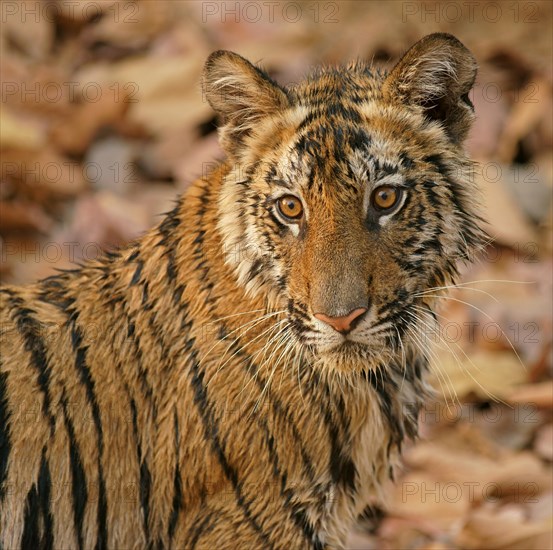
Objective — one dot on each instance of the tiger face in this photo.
(348, 196)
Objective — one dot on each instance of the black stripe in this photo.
(358, 139)
(177, 502)
(167, 230)
(31, 535)
(199, 254)
(236, 349)
(37, 503)
(405, 160)
(145, 386)
(133, 256)
(53, 292)
(281, 226)
(88, 383)
(439, 164)
(177, 494)
(44, 489)
(137, 272)
(79, 485)
(386, 406)
(5, 444)
(309, 118)
(122, 302)
(211, 431)
(30, 330)
(207, 523)
(145, 476)
(298, 515)
(56, 294)
(342, 468)
(298, 512)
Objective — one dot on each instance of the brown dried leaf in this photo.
(23, 216)
(486, 374)
(129, 24)
(505, 529)
(422, 497)
(456, 474)
(506, 222)
(28, 27)
(543, 444)
(163, 93)
(43, 174)
(74, 132)
(19, 131)
(526, 115)
(540, 394)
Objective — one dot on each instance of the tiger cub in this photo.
(244, 375)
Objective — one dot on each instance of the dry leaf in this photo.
(101, 106)
(540, 394)
(44, 174)
(28, 27)
(525, 116)
(488, 375)
(162, 93)
(504, 529)
(506, 222)
(23, 216)
(20, 132)
(543, 444)
(420, 496)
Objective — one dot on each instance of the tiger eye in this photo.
(290, 207)
(385, 197)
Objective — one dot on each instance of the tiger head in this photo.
(348, 197)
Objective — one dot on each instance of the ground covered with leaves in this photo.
(103, 123)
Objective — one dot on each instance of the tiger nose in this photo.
(342, 324)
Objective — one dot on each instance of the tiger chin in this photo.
(244, 374)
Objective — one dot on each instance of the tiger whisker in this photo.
(282, 342)
(264, 349)
(433, 330)
(487, 392)
(235, 315)
(238, 350)
(298, 364)
(488, 317)
(465, 286)
(426, 350)
(403, 357)
(292, 347)
(464, 369)
(253, 324)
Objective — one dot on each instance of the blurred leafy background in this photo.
(103, 123)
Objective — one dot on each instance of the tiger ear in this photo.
(436, 74)
(241, 94)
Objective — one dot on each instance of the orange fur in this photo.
(180, 393)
